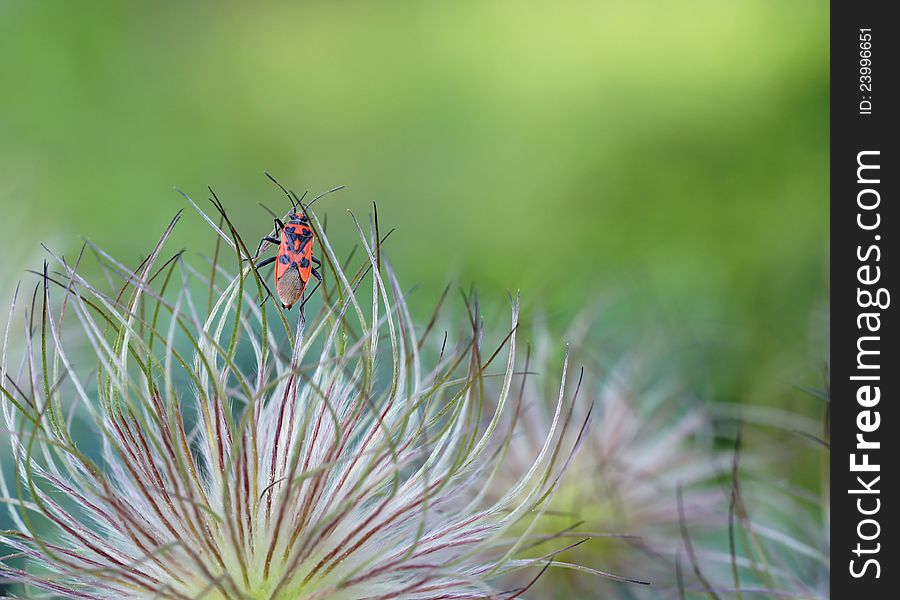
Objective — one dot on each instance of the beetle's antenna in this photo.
(269, 210)
(286, 193)
(299, 201)
(295, 201)
(311, 202)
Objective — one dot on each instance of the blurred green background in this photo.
(668, 158)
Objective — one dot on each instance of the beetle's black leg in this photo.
(316, 261)
(269, 238)
(262, 241)
(268, 261)
(316, 274)
(259, 265)
(269, 293)
(279, 225)
(311, 292)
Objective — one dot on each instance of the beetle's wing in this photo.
(305, 258)
(284, 258)
(290, 287)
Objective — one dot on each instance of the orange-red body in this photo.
(294, 262)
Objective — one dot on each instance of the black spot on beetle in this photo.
(304, 231)
(304, 263)
(283, 259)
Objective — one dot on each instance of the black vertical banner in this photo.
(865, 372)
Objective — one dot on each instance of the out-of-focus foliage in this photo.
(662, 162)
(676, 150)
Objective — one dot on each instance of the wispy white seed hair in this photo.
(648, 467)
(777, 529)
(170, 439)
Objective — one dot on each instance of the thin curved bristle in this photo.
(172, 440)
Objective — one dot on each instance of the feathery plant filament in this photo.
(647, 444)
(173, 439)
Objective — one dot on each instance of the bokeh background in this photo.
(663, 161)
